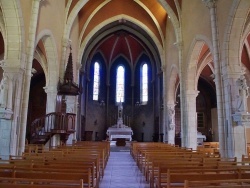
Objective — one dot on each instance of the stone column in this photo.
(51, 98)
(10, 97)
(50, 107)
(189, 134)
(26, 84)
(182, 70)
(170, 124)
(211, 4)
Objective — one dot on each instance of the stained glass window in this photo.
(96, 83)
(144, 83)
(120, 82)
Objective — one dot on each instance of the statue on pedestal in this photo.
(4, 92)
(120, 114)
(171, 118)
(241, 105)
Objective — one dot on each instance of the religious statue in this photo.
(4, 92)
(171, 118)
(120, 110)
(241, 105)
(120, 115)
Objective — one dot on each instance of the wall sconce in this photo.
(102, 103)
(137, 104)
(162, 106)
(95, 122)
(143, 124)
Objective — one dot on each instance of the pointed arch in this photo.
(172, 89)
(87, 39)
(13, 32)
(192, 74)
(51, 56)
(233, 39)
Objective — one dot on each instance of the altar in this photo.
(114, 133)
(119, 130)
(200, 138)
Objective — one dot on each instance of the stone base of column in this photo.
(242, 122)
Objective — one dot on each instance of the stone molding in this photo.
(241, 118)
(210, 3)
(6, 114)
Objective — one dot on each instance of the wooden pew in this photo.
(161, 169)
(54, 175)
(176, 178)
(66, 165)
(232, 183)
(61, 160)
(39, 183)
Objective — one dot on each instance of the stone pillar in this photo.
(170, 124)
(71, 107)
(51, 98)
(50, 107)
(211, 4)
(10, 97)
(189, 134)
(182, 70)
(26, 84)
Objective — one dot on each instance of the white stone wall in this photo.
(5, 138)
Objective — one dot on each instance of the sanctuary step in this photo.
(122, 172)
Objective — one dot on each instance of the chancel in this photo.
(120, 130)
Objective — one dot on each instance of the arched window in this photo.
(120, 83)
(96, 83)
(144, 83)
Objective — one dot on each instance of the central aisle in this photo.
(122, 172)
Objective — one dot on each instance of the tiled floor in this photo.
(122, 172)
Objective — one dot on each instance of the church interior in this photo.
(173, 72)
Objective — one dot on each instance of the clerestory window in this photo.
(144, 83)
(96, 84)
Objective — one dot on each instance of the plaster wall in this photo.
(200, 23)
(52, 17)
(223, 8)
(171, 49)
(26, 7)
(194, 24)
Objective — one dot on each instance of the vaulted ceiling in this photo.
(146, 17)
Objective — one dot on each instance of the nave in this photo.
(122, 172)
(99, 164)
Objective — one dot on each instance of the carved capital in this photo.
(179, 44)
(50, 89)
(192, 93)
(66, 42)
(210, 3)
(2, 63)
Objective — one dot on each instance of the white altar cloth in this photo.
(114, 132)
(200, 138)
